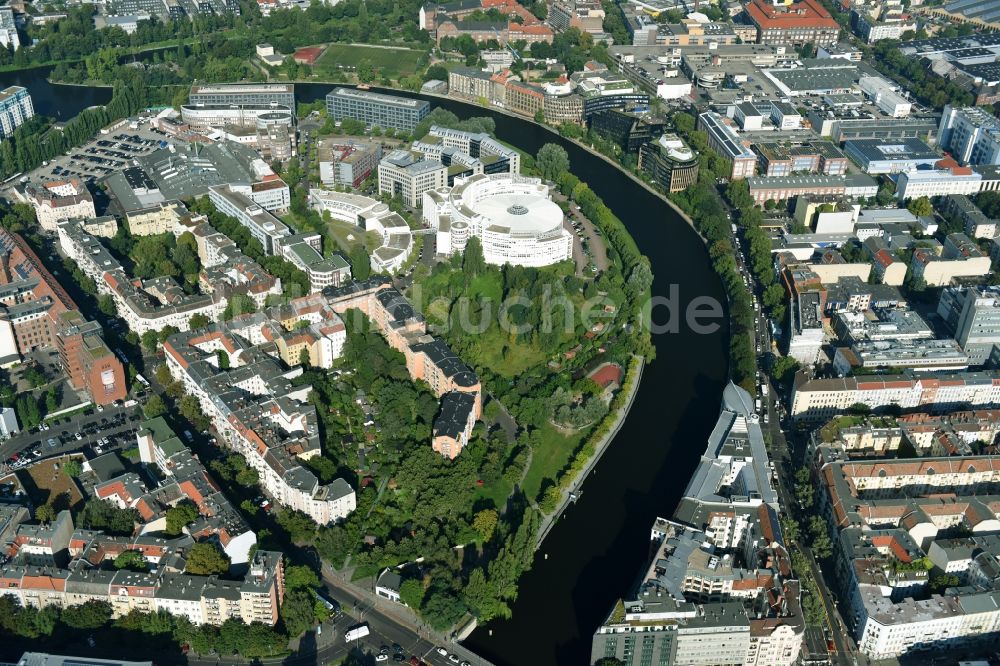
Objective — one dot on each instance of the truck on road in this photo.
(356, 632)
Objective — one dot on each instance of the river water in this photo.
(596, 550)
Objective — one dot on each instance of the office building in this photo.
(15, 108)
(970, 134)
(945, 178)
(261, 224)
(204, 116)
(239, 94)
(403, 174)
(670, 162)
(347, 162)
(974, 315)
(370, 215)
(876, 156)
(513, 217)
(806, 21)
(897, 354)
(884, 95)
(376, 109)
(780, 188)
(628, 130)
(724, 140)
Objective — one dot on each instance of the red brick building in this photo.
(798, 23)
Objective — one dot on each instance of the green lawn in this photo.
(393, 62)
(552, 454)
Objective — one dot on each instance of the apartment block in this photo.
(15, 103)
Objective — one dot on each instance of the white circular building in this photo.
(513, 217)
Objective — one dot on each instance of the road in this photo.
(780, 451)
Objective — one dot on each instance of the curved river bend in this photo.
(596, 550)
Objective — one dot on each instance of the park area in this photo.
(391, 62)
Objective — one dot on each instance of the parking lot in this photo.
(104, 155)
(113, 428)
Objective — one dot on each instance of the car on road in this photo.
(441, 651)
(453, 659)
(381, 657)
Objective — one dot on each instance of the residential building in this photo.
(806, 21)
(376, 109)
(58, 200)
(973, 221)
(260, 415)
(403, 174)
(701, 597)
(15, 105)
(239, 94)
(915, 354)
(819, 399)
(158, 219)
(524, 98)
(961, 258)
(36, 313)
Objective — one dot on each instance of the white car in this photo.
(381, 657)
(441, 651)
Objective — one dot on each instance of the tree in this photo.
(238, 304)
(106, 304)
(942, 582)
(485, 523)
(552, 161)
(248, 477)
(920, 207)
(28, 413)
(473, 262)
(149, 341)
(411, 592)
(132, 560)
(300, 577)
(205, 558)
(154, 407)
(180, 516)
(298, 611)
(45, 513)
(89, 615)
(72, 468)
(361, 267)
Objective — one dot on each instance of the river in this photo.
(597, 549)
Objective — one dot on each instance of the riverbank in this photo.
(570, 493)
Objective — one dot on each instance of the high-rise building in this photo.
(402, 173)
(970, 134)
(974, 314)
(376, 109)
(670, 162)
(8, 29)
(15, 107)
